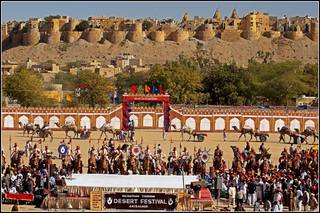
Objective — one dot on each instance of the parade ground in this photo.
(152, 137)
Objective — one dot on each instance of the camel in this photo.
(107, 128)
(69, 127)
(285, 131)
(185, 129)
(27, 127)
(244, 131)
(310, 131)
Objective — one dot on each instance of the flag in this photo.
(161, 90)
(154, 89)
(146, 88)
(134, 89)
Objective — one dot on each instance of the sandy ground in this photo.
(151, 138)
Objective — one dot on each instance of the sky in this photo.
(23, 10)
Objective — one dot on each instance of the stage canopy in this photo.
(84, 183)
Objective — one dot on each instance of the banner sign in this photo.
(96, 200)
(150, 201)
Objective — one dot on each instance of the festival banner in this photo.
(146, 201)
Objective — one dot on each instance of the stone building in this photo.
(254, 25)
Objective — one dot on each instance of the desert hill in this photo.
(152, 52)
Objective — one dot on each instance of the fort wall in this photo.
(136, 34)
(230, 35)
(294, 35)
(52, 37)
(71, 25)
(314, 34)
(31, 38)
(272, 34)
(70, 36)
(16, 38)
(206, 33)
(117, 36)
(250, 35)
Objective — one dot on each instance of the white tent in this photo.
(84, 183)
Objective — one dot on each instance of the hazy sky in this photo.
(23, 10)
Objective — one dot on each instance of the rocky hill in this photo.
(151, 52)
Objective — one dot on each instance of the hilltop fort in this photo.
(254, 26)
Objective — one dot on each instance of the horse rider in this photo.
(45, 126)
(184, 154)
(147, 152)
(247, 149)
(218, 153)
(173, 154)
(262, 149)
(46, 152)
(93, 151)
(103, 151)
(77, 152)
(15, 149)
(36, 151)
(285, 153)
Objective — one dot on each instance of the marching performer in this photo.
(46, 152)
(15, 150)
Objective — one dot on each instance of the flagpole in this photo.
(10, 149)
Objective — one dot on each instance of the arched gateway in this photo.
(127, 101)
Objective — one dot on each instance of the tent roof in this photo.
(129, 181)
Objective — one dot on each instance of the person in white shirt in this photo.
(12, 189)
(299, 196)
(276, 207)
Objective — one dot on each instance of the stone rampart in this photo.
(31, 38)
(230, 35)
(179, 36)
(92, 35)
(70, 36)
(158, 36)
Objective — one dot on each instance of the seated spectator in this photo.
(12, 189)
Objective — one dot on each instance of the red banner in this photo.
(24, 197)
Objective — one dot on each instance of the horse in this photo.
(284, 131)
(310, 131)
(27, 128)
(67, 164)
(77, 165)
(147, 165)
(42, 133)
(186, 164)
(16, 159)
(244, 131)
(69, 127)
(103, 165)
(199, 167)
(92, 165)
(133, 164)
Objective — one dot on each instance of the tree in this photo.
(146, 25)
(49, 18)
(182, 80)
(66, 79)
(125, 80)
(26, 87)
(82, 26)
(97, 89)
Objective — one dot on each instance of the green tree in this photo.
(66, 79)
(146, 25)
(82, 26)
(49, 18)
(125, 80)
(26, 87)
(98, 89)
(182, 80)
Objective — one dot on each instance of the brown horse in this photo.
(186, 165)
(27, 128)
(199, 167)
(67, 164)
(103, 165)
(78, 165)
(147, 165)
(243, 132)
(133, 164)
(92, 165)
(69, 127)
(310, 131)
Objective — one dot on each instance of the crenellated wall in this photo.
(250, 35)
(294, 35)
(16, 38)
(52, 37)
(201, 119)
(314, 34)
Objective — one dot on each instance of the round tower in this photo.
(92, 35)
(136, 35)
(206, 33)
(117, 36)
(314, 32)
(53, 35)
(71, 25)
(158, 36)
(180, 35)
(70, 36)
(32, 36)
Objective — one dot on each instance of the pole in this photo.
(10, 148)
